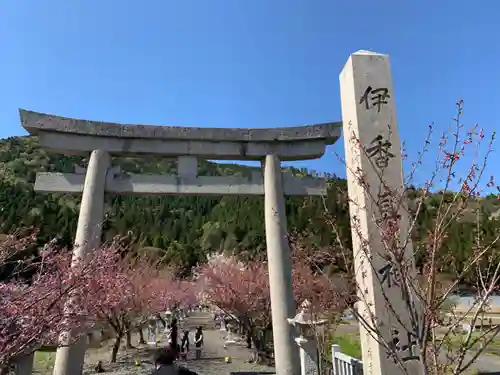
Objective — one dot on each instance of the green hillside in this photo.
(183, 229)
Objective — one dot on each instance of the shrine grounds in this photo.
(212, 362)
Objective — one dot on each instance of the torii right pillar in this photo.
(375, 183)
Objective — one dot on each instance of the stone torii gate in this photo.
(270, 146)
(371, 148)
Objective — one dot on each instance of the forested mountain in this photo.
(184, 229)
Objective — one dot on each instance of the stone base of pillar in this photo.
(309, 360)
(70, 359)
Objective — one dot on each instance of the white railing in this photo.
(345, 365)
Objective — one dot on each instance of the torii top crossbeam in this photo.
(74, 136)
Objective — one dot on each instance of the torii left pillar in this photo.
(70, 358)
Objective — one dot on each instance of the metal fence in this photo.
(344, 364)
(341, 364)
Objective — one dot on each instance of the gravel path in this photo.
(211, 363)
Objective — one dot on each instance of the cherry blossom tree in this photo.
(14, 254)
(327, 295)
(105, 288)
(185, 293)
(130, 290)
(32, 311)
(242, 290)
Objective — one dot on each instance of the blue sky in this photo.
(235, 63)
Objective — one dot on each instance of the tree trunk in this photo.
(260, 350)
(116, 346)
(128, 327)
(141, 334)
(129, 339)
(163, 322)
(258, 339)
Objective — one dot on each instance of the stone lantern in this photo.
(229, 338)
(307, 328)
(168, 318)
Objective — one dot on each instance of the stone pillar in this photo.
(168, 318)
(24, 364)
(280, 269)
(69, 358)
(309, 361)
(375, 184)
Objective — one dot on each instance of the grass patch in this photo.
(456, 341)
(44, 361)
(349, 345)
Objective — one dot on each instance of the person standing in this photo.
(198, 342)
(174, 336)
(185, 345)
(165, 364)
